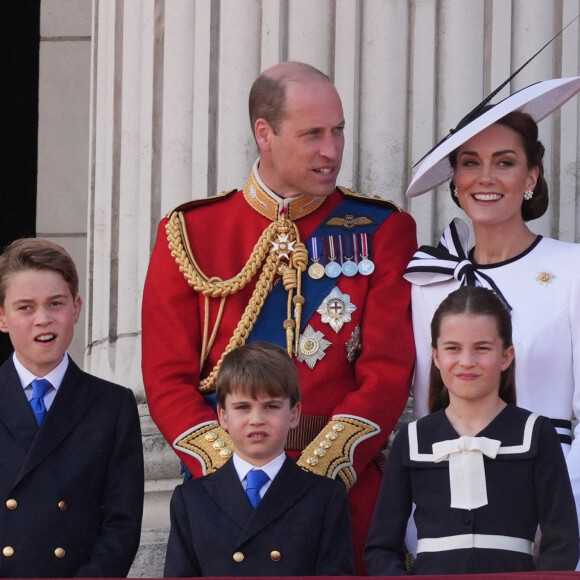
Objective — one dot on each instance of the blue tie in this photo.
(255, 480)
(39, 388)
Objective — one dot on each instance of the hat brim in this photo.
(538, 100)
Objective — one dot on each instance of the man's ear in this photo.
(263, 134)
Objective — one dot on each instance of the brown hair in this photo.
(527, 129)
(479, 301)
(36, 254)
(258, 369)
(268, 93)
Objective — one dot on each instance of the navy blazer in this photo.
(300, 528)
(71, 491)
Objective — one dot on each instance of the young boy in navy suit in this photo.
(291, 522)
(71, 460)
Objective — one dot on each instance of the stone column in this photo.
(124, 206)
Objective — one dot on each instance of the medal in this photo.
(316, 269)
(332, 269)
(366, 266)
(336, 309)
(349, 268)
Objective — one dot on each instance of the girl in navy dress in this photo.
(483, 473)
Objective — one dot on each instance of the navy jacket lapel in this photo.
(288, 487)
(225, 489)
(73, 400)
(15, 411)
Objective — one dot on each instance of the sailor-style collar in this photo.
(271, 205)
(465, 457)
(519, 439)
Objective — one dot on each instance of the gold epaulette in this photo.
(372, 198)
(208, 442)
(203, 201)
(331, 453)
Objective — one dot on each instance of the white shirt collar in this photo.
(271, 468)
(55, 376)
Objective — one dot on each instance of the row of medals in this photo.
(349, 268)
(333, 269)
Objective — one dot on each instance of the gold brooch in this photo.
(544, 278)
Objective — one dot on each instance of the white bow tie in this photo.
(466, 468)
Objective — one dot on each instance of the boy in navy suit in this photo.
(71, 461)
(260, 514)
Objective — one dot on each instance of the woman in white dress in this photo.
(495, 160)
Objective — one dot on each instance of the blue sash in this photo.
(270, 324)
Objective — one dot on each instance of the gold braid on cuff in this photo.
(330, 453)
(210, 443)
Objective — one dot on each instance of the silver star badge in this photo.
(311, 346)
(282, 246)
(336, 309)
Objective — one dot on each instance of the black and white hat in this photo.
(538, 100)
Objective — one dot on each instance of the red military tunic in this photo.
(349, 404)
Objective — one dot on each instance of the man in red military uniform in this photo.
(294, 260)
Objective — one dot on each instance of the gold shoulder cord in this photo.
(278, 250)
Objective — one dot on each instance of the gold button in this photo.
(325, 444)
(238, 557)
(211, 436)
(319, 452)
(219, 443)
(338, 426)
(312, 460)
(11, 504)
(62, 505)
(8, 551)
(59, 553)
(331, 435)
(225, 451)
(275, 556)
